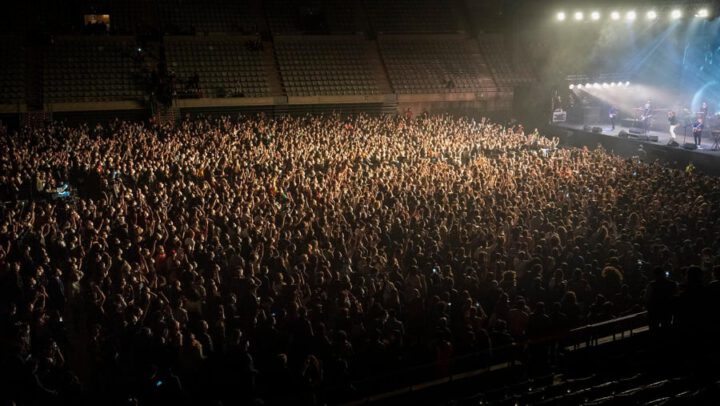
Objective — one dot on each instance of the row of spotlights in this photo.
(599, 85)
(630, 15)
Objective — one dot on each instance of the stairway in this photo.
(272, 70)
(165, 115)
(372, 53)
(34, 77)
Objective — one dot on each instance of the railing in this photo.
(407, 380)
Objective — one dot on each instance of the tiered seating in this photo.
(314, 16)
(209, 16)
(227, 67)
(434, 65)
(324, 66)
(408, 16)
(12, 71)
(496, 54)
(595, 391)
(127, 16)
(87, 69)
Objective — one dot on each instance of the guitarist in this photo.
(698, 127)
(612, 114)
(647, 115)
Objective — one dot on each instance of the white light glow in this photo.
(676, 14)
(561, 16)
(702, 13)
(572, 87)
(651, 15)
(579, 16)
(595, 15)
(631, 15)
(615, 15)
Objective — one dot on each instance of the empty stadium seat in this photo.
(12, 71)
(434, 65)
(312, 66)
(91, 69)
(226, 65)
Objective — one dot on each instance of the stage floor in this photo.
(663, 137)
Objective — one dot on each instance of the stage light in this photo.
(702, 13)
(612, 84)
(596, 85)
(572, 87)
(588, 85)
(676, 14)
(605, 85)
(651, 15)
(580, 86)
(561, 16)
(595, 15)
(631, 15)
(627, 84)
(615, 15)
(579, 16)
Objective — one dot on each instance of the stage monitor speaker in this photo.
(623, 134)
(587, 128)
(637, 131)
(597, 130)
(651, 138)
(690, 145)
(673, 143)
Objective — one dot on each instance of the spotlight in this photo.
(588, 85)
(615, 15)
(579, 16)
(605, 85)
(676, 14)
(572, 87)
(561, 16)
(595, 15)
(631, 15)
(627, 84)
(612, 84)
(651, 15)
(580, 86)
(702, 13)
(596, 85)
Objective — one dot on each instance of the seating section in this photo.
(91, 69)
(411, 16)
(190, 16)
(12, 71)
(595, 391)
(227, 67)
(506, 74)
(314, 16)
(434, 65)
(325, 66)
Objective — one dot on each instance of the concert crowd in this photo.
(228, 261)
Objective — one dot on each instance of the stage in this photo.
(663, 136)
(704, 158)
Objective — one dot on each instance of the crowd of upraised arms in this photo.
(220, 260)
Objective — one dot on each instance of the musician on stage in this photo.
(647, 115)
(698, 127)
(672, 119)
(613, 113)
